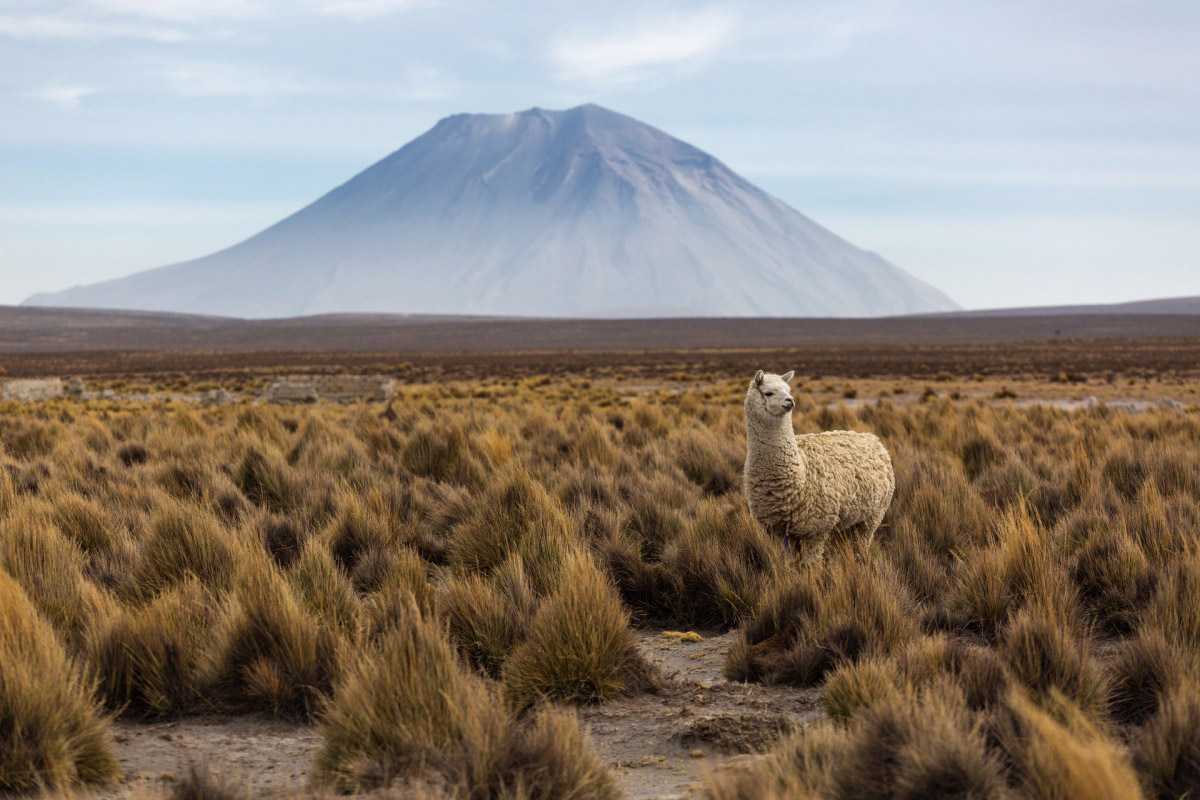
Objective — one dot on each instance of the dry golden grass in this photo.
(53, 733)
(423, 580)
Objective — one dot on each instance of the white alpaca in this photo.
(812, 487)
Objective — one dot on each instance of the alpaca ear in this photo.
(787, 376)
(758, 377)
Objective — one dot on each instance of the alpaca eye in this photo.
(767, 394)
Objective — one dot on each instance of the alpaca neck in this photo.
(771, 439)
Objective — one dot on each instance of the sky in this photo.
(1028, 152)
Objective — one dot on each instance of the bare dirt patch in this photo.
(271, 758)
(658, 745)
(662, 745)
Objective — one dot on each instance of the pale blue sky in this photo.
(1013, 153)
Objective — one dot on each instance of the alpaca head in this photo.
(769, 395)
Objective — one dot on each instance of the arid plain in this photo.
(532, 574)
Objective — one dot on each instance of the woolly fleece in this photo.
(811, 487)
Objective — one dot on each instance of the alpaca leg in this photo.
(810, 549)
(866, 532)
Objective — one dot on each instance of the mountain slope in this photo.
(577, 213)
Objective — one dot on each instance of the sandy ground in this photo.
(659, 745)
(662, 745)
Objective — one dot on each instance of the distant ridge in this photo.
(576, 213)
(1166, 305)
(42, 330)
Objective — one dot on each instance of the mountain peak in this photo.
(574, 212)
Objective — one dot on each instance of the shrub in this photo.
(1060, 754)
(406, 708)
(441, 452)
(1167, 753)
(52, 734)
(1047, 657)
(481, 624)
(1143, 668)
(515, 515)
(820, 619)
(930, 748)
(150, 661)
(184, 542)
(50, 570)
(269, 654)
(579, 648)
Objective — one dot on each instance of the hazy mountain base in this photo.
(117, 523)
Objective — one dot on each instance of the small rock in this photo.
(217, 397)
(697, 753)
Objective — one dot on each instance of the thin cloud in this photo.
(203, 10)
(65, 96)
(41, 26)
(625, 55)
(216, 79)
(183, 10)
(360, 10)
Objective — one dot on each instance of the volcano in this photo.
(576, 213)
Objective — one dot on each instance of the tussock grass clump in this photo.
(1113, 579)
(550, 758)
(271, 655)
(819, 619)
(579, 648)
(1175, 608)
(325, 590)
(267, 481)
(85, 522)
(481, 623)
(1049, 658)
(1021, 569)
(854, 686)
(921, 746)
(441, 452)
(200, 783)
(1142, 669)
(1058, 753)
(1167, 753)
(713, 463)
(151, 660)
(515, 516)
(50, 570)
(932, 748)
(409, 710)
(283, 538)
(185, 543)
(796, 769)
(52, 733)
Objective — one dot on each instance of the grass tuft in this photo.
(52, 733)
